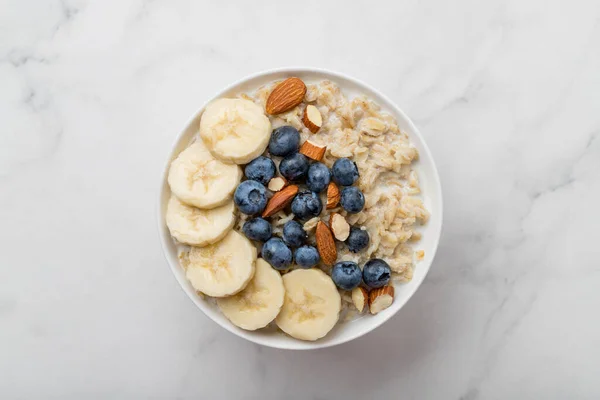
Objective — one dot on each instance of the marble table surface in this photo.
(506, 93)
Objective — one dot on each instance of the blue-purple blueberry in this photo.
(346, 275)
(306, 205)
(357, 240)
(284, 140)
(276, 253)
(318, 177)
(352, 199)
(257, 229)
(261, 169)
(250, 197)
(376, 273)
(344, 172)
(294, 234)
(294, 167)
(306, 256)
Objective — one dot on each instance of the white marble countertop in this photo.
(507, 94)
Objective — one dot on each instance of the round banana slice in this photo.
(312, 304)
(197, 227)
(235, 130)
(259, 303)
(224, 268)
(199, 179)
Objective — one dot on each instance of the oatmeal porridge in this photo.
(297, 207)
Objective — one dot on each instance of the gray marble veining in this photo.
(506, 93)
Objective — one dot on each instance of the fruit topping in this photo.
(294, 234)
(352, 199)
(306, 205)
(235, 130)
(257, 229)
(360, 298)
(344, 172)
(261, 169)
(318, 177)
(376, 273)
(357, 240)
(312, 304)
(346, 275)
(306, 256)
(284, 141)
(276, 253)
(250, 197)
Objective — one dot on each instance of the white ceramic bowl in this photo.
(432, 197)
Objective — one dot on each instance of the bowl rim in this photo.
(396, 109)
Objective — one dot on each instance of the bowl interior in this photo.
(432, 198)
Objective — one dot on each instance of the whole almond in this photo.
(333, 196)
(280, 200)
(287, 95)
(326, 244)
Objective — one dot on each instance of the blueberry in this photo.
(276, 253)
(346, 275)
(352, 199)
(344, 172)
(250, 197)
(284, 140)
(376, 273)
(261, 169)
(294, 167)
(294, 234)
(307, 204)
(318, 177)
(357, 240)
(257, 229)
(307, 256)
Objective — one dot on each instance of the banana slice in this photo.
(312, 304)
(224, 268)
(259, 303)
(235, 130)
(197, 227)
(199, 179)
